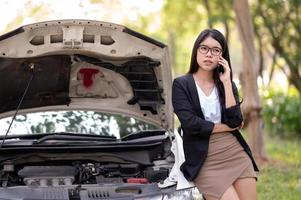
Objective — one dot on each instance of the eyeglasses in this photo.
(203, 49)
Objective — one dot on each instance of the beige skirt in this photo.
(226, 162)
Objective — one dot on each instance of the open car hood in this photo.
(89, 65)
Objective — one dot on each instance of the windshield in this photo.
(85, 122)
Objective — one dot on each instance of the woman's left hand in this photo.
(224, 77)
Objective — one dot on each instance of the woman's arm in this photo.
(232, 111)
(232, 114)
(220, 128)
(229, 96)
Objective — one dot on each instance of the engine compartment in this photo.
(52, 166)
(82, 180)
(78, 173)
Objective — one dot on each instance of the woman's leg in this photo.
(246, 188)
(230, 194)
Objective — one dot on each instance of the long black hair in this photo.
(218, 36)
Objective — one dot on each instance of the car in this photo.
(86, 114)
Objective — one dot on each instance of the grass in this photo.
(280, 177)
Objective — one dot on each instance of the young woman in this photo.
(217, 158)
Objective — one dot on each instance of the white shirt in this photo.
(210, 105)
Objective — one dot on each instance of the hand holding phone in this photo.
(224, 69)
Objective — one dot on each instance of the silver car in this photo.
(86, 114)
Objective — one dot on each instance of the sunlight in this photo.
(18, 12)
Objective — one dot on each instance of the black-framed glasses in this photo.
(203, 49)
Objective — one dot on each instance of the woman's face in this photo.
(208, 54)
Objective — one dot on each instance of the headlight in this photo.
(186, 194)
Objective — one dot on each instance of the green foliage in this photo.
(279, 183)
(282, 113)
(183, 16)
(277, 26)
(280, 177)
(285, 150)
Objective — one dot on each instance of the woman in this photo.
(217, 158)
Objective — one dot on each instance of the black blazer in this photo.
(196, 130)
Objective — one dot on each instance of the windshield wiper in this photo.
(31, 67)
(75, 137)
(142, 134)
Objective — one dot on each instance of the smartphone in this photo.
(220, 69)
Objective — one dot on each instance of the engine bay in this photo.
(62, 172)
(79, 173)
(82, 180)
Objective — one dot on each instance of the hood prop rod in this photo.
(31, 66)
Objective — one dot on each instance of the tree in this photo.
(181, 21)
(278, 24)
(219, 12)
(251, 106)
